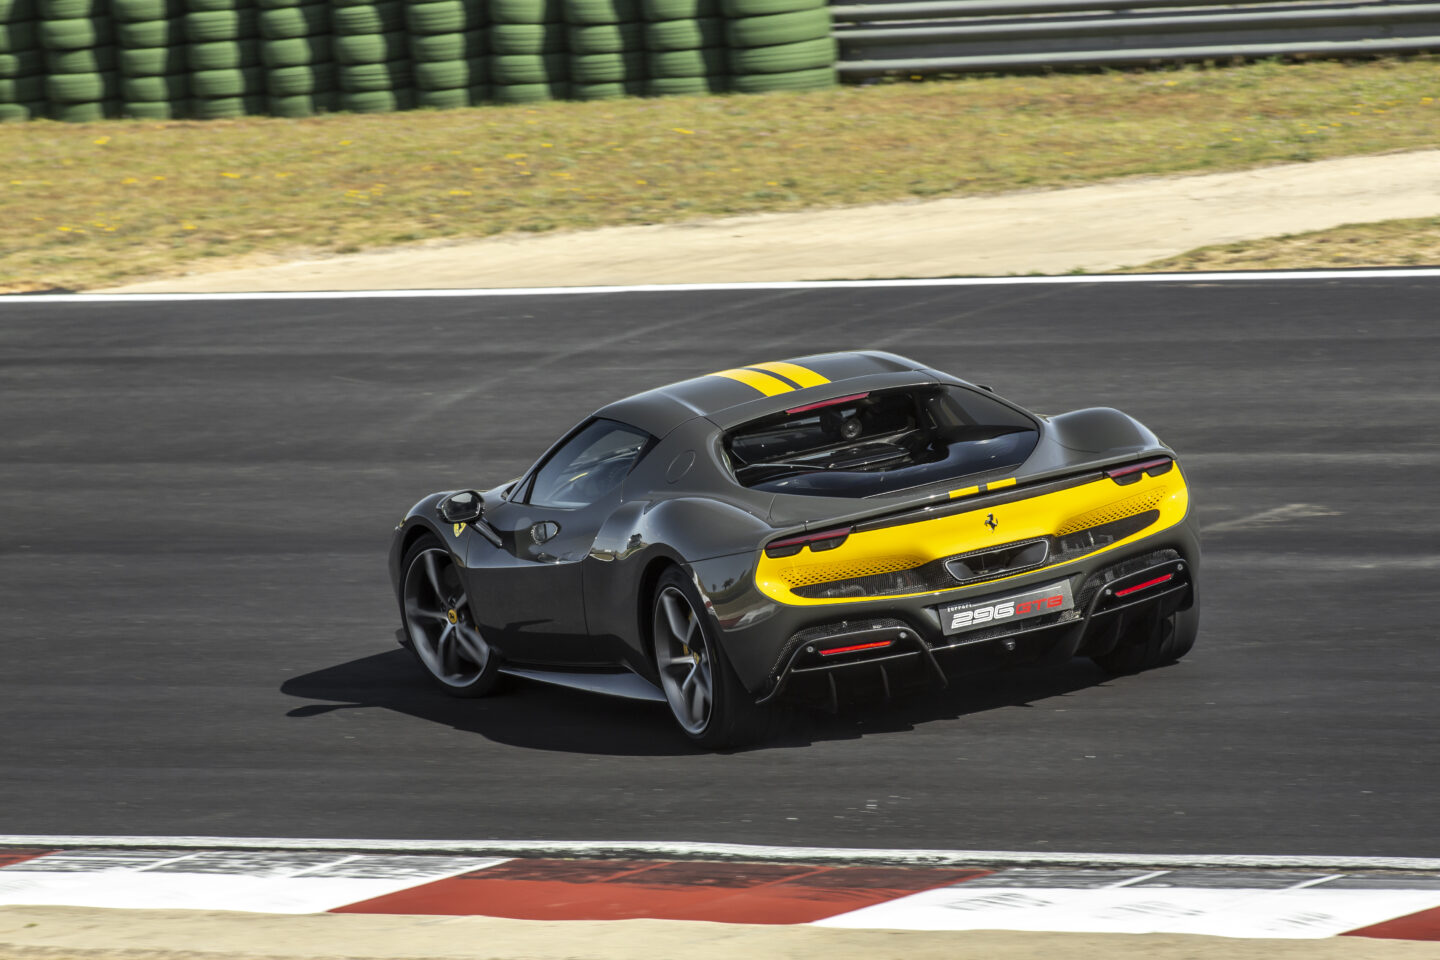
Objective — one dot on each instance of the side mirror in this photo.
(985, 387)
(463, 507)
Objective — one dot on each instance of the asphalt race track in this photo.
(196, 499)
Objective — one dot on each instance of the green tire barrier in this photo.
(303, 104)
(778, 28)
(684, 34)
(210, 25)
(22, 35)
(214, 84)
(607, 67)
(138, 11)
(532, 38)
(607, 38)
(81, 87)
(93, 60)
(297, 52)
(375, 77)
(223, 54)
(371, 47)
(155, 109)
(222, 108)
(601, 11)
(284, 23)
(709, 61)
(525, 11)
(66, 9)
(529, 92)
(761, 8)
(686, 86)
(175, 86)
(377, 101)
(297, 81)
(369, 18)
(815, 79)
(443, 99)
(525, 68)
(153, 61)
(607, 91)
(211, 6)
(22, 89)
(21, 63)
(449, 46)
(783, 58)
(84, 112)
(451, 74)
(22, 112)
(13, 10)
(76, 34)
(679, 9)
(437, 16)
(150, 33)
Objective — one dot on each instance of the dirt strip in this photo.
(1094, 228)
(92, 934)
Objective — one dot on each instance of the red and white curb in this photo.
(1198, 899)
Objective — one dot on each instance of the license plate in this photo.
(1035, 602)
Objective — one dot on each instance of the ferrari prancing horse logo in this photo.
(990, 522)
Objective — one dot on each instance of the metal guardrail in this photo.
(957, 36)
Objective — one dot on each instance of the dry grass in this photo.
(89, 205)
(1390, 243)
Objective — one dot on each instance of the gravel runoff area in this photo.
(55, 933)
(1094, 228)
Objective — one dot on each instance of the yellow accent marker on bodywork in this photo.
(964, 492)
(763, 382)
(459, 529)
(982, 488)
(792, 371)
(997, 484)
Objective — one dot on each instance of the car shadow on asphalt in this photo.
(538, 716)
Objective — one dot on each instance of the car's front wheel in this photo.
(705, 696)
(439, 625)
(1149, 644)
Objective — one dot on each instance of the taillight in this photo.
(875, 645)
(1144, 586)
(826, 540)
(1131, 471)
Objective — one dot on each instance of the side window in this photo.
(588, 466)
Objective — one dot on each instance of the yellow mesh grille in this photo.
(813, 573)
(1118, 510)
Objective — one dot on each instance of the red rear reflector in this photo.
(827, 540)
(1142, 586)
(859, 646)
(828, 403)
(1130, 468)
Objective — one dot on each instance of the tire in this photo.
(704, 695)
(225, 108)
(300, 81)
(91, 60)
(607, 91)
(23, 35)
(66, 9)
(150, 33)
(21, 63)
(685, 34)
(13, 10)
(449, 46)
(155, 109)
(208, 26)
(138, 11)
(369, 18)
(153, 61)
(286, 23)
(1147, 645)
(378, 101)
(763, 8)
(608, 67)
(79, 34)
(438, 626)
(437, 16)
(223, 55)
(215, 84)
(442, 99)
(297, 52)
(371, 47)
(526, 11)
(524, 69)
(375, 77)
(303, 104)
(176, 86)
(81, 87)
(528, 38)
(679, 9)
(450, 74)
(607, 38)
(778, 28)
(589, 12)
(821, 78)
(213, 6)
(785, 57)
(22, 112)
(84, 112)
(22, 89)
(529, 92)
(711, 61)
(686, 86)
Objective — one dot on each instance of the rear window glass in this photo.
(879, 442)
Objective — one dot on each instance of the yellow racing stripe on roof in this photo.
(804, 376)
(766, 384)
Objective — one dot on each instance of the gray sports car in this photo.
(826, 528)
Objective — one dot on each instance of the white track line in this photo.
(1249, 276)
(725, 851)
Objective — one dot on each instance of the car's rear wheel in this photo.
(705, 696)
(439, 625)
(1149, 643)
